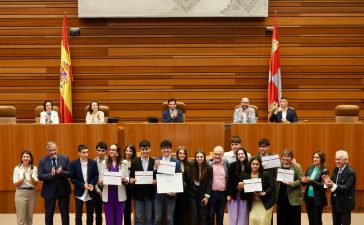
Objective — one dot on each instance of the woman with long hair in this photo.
(315, 197)
(199, 188)
(25, 178)
(114, 196)
(238, 209)
(94, 115)
(129, 155)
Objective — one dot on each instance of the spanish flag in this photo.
(66, 78)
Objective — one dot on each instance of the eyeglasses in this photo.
(101, 150)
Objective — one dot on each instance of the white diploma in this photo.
(166, 167)
(112, 178)
(283, 174)
(167, 183)
(143, 177)
(253, 185)
(271, 161)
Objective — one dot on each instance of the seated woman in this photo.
(48, 116)
(94, 115)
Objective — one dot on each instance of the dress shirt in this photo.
(334, 186)
(19, 173)
(284, 115)
(218, 177)
(166, 158)
(145, 163)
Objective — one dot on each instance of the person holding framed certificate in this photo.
(289, 194)
(114, 177)
(199, 188)
(238, 209)
(261, 202)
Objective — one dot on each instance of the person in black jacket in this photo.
(342, 185)
(315, 197)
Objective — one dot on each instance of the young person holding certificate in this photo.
(289, 194)
(114, 196)
(262, 202)
(238, 210)
(199, 188)
(315, 197)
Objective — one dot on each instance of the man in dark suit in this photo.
(53, 171)
(143, 193)
(165, 202)
(84, 175)
(283, 114)
(342, 184)
(172, 115)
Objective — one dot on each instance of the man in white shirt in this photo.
(283, 114)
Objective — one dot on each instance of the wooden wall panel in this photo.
(135, 64)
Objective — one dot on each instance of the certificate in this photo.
(287, 175)
(143, 177)
(271, 161)
(253, 185)
(112, 178)
(166, 167)
(169, 183)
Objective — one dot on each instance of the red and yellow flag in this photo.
(274, 84)
(66, 78)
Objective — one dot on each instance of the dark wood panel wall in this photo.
(133, 65)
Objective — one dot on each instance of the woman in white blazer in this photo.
(114, 196)
(48, 116)
(94, 115)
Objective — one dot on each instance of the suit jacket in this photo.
(268, 188)
(343, 198)
(250, 112)
(234, 178)
(58, 183)
(205, 186)
(166, 117)
(294, 192)
(77, 176)
(291, 116)
(225, 164)
(142, 191)
(124, 171)
(318, 186)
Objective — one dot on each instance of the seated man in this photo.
(283, 114)
(244, 114)
(172, 115)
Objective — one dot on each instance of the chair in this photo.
(40, 109)
(347, 114)
(179, 105)
(7, 114)
(256, 109)
(105, 109)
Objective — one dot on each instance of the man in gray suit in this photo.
(53, 171)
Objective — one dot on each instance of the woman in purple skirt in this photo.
(114, 196)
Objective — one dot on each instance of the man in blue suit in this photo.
(53, 171)
(172, 115)
(84, 175)
(283, 114)
(165, 201)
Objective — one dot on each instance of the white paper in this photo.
(166, 167)
(253, 185)
(283, 174)
(112, 178)
(85, 197)
(271, 161)
(143, 177)
(167, 183)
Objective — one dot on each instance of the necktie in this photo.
(54, 162)
(338, 175)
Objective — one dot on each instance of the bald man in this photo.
(244, 114)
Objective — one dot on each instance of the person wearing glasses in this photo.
(245, 113)
(101, 152)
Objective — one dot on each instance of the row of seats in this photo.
(343, 113)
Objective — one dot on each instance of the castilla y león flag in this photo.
(66, 78)
(274, 85)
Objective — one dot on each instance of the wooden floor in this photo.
(10, 219)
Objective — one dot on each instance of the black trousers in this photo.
(97, 201)
(198, 211)
(89, 211)
(314, 212)
(341, 218)
(63, 204)
(288, 214)
(127, 211)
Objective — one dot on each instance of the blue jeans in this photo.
(161, 202)
(143, 210)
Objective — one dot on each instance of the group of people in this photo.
(209, 184)
(93, 116)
